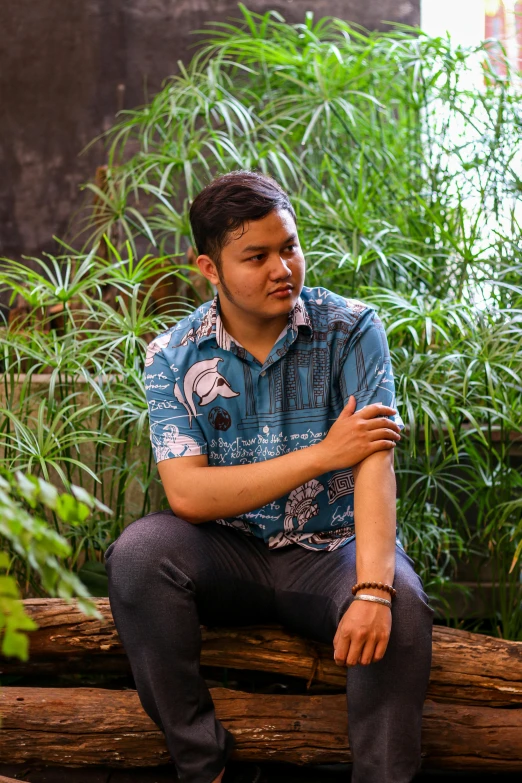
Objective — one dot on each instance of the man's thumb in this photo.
(350, 405)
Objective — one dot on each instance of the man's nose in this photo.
(281, 268)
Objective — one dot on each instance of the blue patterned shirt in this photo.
(208, 395)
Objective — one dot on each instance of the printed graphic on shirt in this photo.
(340, 484)
(211, 324)
(356, 306)
(324, 541)
(219, 418)
(203, 330)
(206, 382)
(298, 389)
(155, 347)
(300, 506)
(172, 443)
(239, 524)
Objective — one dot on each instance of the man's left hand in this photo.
(363, 633)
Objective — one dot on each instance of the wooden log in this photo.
(467, 668)
(95, 726)
(3, 779)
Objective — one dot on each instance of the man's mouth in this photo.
(280, 290)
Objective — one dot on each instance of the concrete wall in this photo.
(67, 67)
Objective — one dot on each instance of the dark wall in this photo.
(67, 67)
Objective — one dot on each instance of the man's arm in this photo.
(199, 493)
(367, 365)
(375, 515)
(364, 630)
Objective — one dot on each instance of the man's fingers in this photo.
(380, 649)
(341, 651)
(367, 652)
(376, 409)
(354, 653)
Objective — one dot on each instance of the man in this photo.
(273, 426)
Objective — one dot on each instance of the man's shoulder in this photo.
(325, 306)
(181, 334)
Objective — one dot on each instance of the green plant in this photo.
(24, 501)
(73, 407)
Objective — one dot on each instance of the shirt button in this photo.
(263, 372)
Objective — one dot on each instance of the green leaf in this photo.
(8, 586)
(70, 510)
(15, 644)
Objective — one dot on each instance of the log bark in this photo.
(94, 726)
(467, 668)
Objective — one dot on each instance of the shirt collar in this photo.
(211, 325)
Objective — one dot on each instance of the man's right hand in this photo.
(354, 436)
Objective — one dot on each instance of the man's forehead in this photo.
(264, 233)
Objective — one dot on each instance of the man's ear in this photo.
(208, 269)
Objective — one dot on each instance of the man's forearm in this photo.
(375, 520)
(230, 490)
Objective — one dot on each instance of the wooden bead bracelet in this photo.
(376, 586)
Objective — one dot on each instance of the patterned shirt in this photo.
(208, 395)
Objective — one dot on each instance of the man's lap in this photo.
(238, 580)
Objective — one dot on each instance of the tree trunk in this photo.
(84, 726)
(467, 668)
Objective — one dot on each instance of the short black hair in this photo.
(226, 203)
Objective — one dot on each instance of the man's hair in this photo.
(227, 203)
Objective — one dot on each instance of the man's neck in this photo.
(249, 331)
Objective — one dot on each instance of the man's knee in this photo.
(142, 551)
(410, 608)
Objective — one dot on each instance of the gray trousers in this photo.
(166, 576)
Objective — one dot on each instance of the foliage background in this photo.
(405, 177)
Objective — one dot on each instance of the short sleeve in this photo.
(366, 370)
(174, 430)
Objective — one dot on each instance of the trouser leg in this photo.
(385, 699)
(166, 576)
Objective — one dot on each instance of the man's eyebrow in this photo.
(256, 248)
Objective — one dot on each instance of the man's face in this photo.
(266, 257)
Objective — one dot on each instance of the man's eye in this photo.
(260, 256)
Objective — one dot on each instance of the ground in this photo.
(272, 773)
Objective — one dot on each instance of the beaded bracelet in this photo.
(376, 586)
